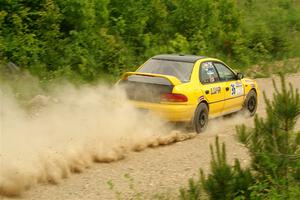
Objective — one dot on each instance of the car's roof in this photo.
(181, 58)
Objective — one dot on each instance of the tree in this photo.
(274, 143)
(226, 181)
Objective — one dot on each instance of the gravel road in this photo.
(157, 170)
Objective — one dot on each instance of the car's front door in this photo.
(234, 89)
(213, 89)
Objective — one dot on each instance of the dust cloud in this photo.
(68, 130)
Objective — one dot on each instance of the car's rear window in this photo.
(181, 70)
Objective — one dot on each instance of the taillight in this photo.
(171, 97)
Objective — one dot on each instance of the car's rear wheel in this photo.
(250, 104)
(201, 118)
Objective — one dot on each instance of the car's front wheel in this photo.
(201, 118)
(250, 104)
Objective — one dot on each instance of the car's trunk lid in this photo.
(147, 87)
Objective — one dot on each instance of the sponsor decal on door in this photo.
(215, 90)
(237, 89)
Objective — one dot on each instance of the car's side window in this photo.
(208, 73)
(225, 74)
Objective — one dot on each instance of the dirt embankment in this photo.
(76, 138)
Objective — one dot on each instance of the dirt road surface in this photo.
(158, 170)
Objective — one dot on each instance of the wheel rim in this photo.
(202, 119)
(251, 104)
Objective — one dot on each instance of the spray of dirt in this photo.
(66, 134)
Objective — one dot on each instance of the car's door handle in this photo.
(227, 88)
(206, 91)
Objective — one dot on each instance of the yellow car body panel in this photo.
(219, 103)
(170, 112)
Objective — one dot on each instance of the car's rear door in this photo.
(212, 87)
(234, 89)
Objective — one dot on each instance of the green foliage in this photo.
(87, 40)
(223, 182)
(273, 143)
(193, 192)
(226, 181)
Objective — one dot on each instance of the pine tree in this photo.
(273, 143)
(193, 192)
(226, 181)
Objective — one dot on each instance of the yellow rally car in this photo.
(188, 88)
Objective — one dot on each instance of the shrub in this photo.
(226, 181)
(273, 143)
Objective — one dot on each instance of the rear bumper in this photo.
(170, 112)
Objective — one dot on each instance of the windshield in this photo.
(181, 70)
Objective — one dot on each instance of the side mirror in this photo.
(239, 76)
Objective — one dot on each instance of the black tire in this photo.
(250, 104)
(200, 120)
